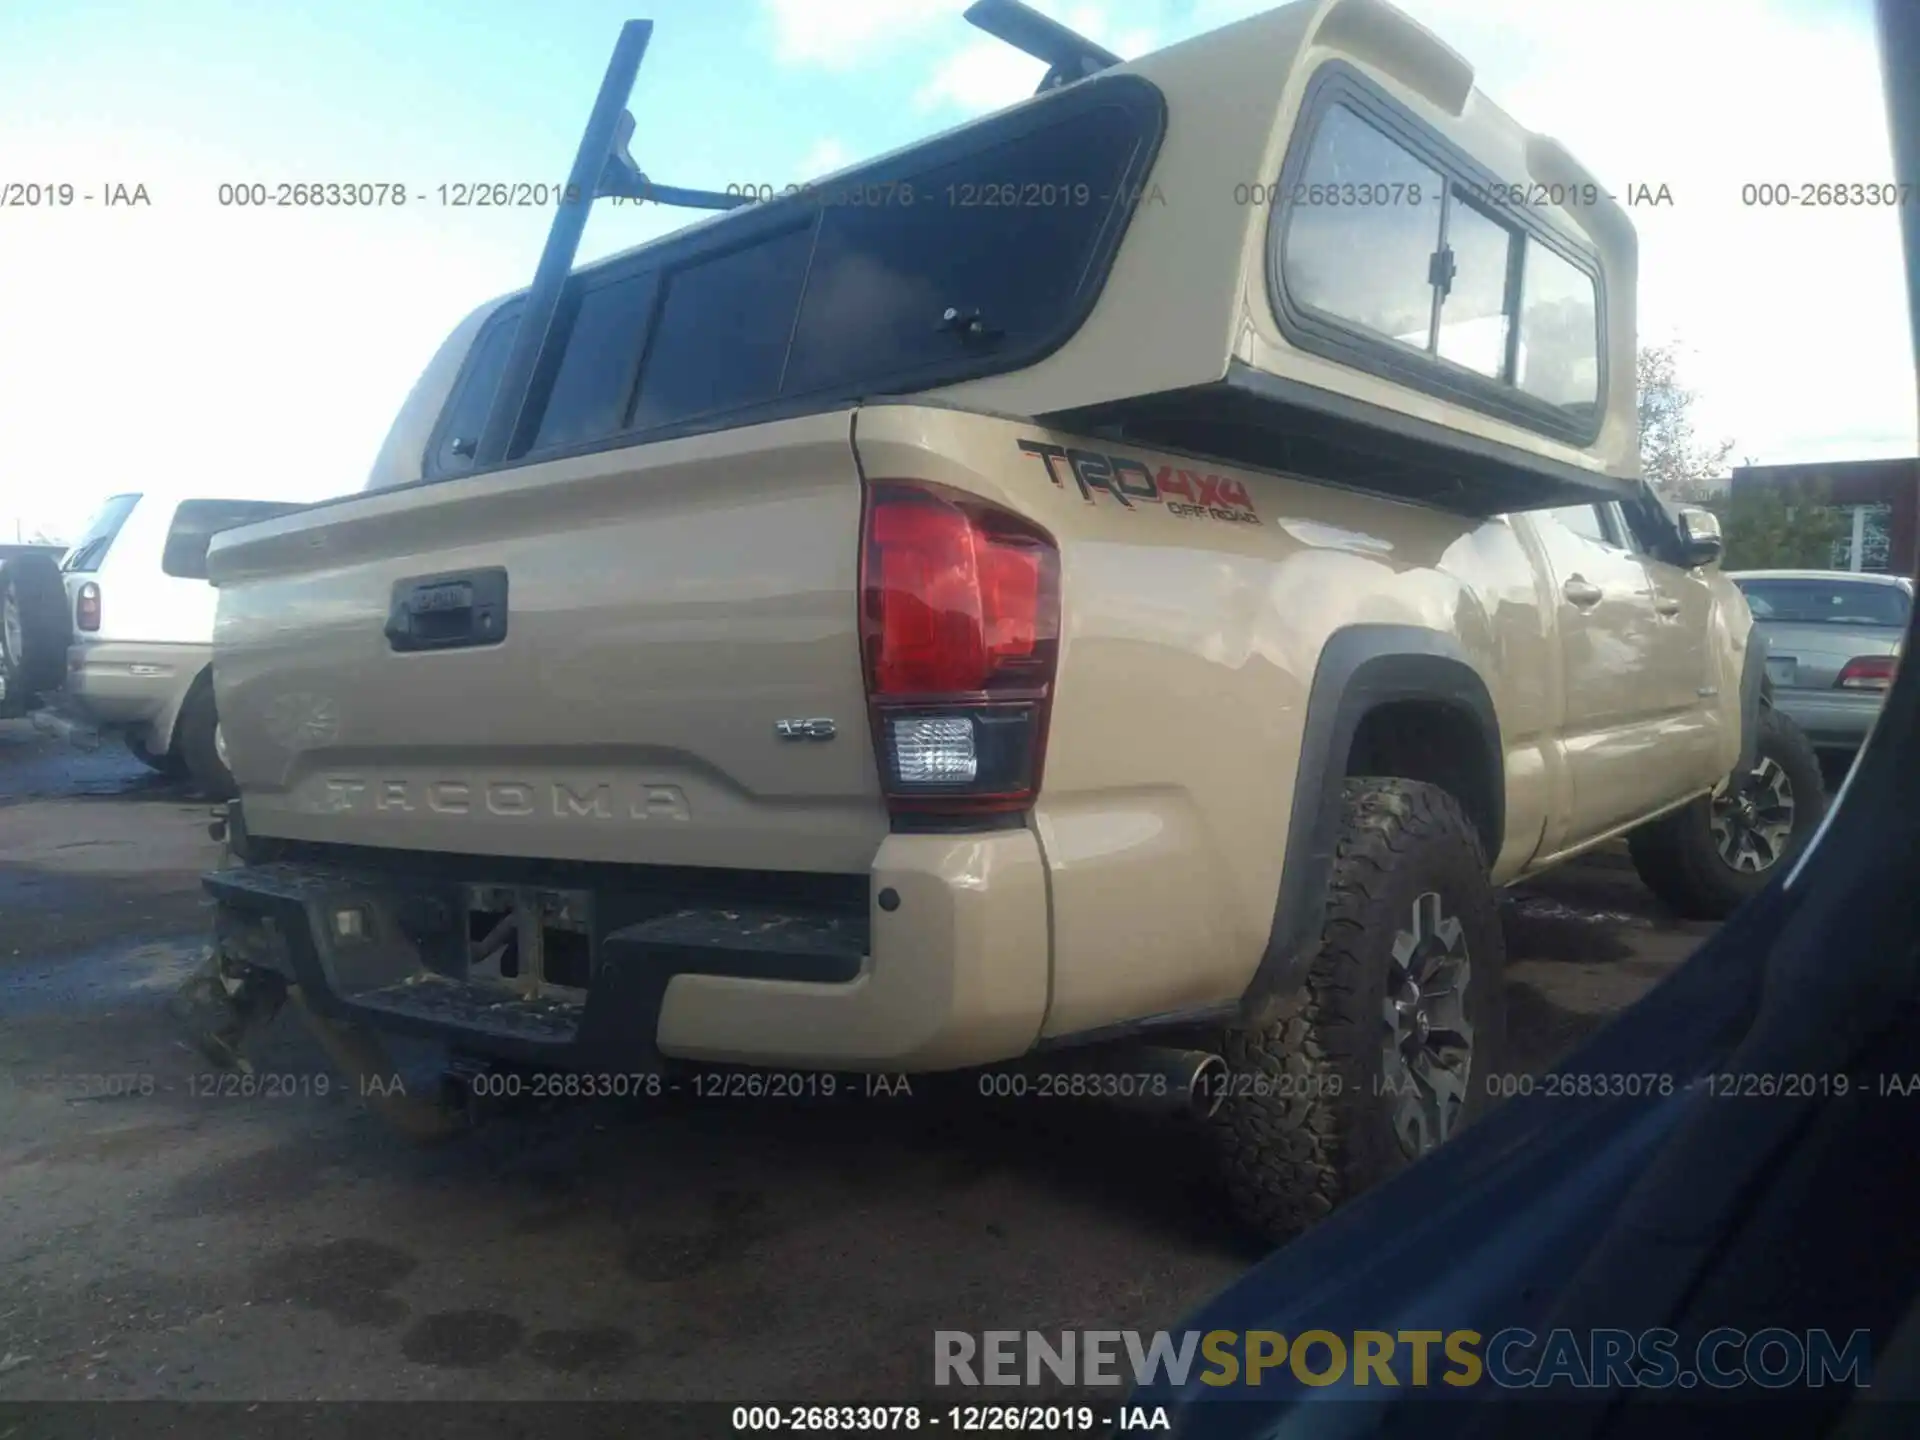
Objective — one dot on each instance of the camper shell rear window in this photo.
(975, 253)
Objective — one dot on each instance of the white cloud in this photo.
(846, 34)
(826, 156)
(983, 74)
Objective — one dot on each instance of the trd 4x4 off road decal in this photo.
(1187, 493)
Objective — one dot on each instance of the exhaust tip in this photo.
(1207, 1086)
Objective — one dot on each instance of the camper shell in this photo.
(1304, 242)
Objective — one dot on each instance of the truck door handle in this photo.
(1583, 593)
(448, 612)
(1665, 604)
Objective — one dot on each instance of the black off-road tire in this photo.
(193, 737)
(168, 763)
(33, 652)
(1305, 1125)
(1679, 858)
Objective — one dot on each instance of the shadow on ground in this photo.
(38, 767)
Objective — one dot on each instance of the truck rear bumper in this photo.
(946, 966)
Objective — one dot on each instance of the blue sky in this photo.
(200, 347)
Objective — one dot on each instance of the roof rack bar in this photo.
(605, 134)
(626, 181)
(1069, 55)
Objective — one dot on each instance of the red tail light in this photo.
(960, 625)
(1868, 672)
(86, 607)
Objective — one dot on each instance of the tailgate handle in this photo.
(449, 612)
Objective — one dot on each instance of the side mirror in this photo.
(1700, 542)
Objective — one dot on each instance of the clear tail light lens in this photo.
(933, 750)
(960, 627)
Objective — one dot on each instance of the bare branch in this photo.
(1674, 460)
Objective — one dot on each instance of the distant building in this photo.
(1879, 501)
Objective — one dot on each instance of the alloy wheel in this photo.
(1427, 1054)
(1752, 821)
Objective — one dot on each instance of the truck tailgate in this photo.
(665, 607)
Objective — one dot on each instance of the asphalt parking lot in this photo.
(161, 1237)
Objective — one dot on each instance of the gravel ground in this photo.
(180, 1242)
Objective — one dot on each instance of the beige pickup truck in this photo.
(1113, 590)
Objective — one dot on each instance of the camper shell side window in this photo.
(1393, 251)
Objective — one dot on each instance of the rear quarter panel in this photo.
(1188, 649)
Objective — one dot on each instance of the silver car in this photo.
(1833, 642)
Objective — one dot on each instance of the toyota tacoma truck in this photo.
(1114, 589)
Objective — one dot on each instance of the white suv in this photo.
(138, 630)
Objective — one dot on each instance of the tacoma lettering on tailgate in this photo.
(587, 800)
(1186, 493)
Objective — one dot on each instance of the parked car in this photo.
(719, 669)
(118, 637)
(1833, 644)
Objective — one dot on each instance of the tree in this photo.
(1675, 463)
(1769, 527)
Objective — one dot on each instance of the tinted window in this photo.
(820, 297)
(196, 522)
(1473, 316)
(1365, 263)
(1583, 520)
(467, 413)
(595, 380)
(1010, 231)
(1559, 330)
(1827, 602)
(91, 548)
(721, 338)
